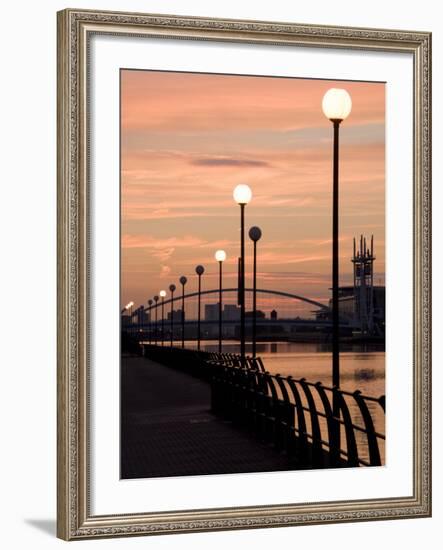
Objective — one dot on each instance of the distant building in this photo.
(362, 305)
(211, 312)
(231, 313)
(140, 316)
(259, 314)
(274, 315)
(176, 315)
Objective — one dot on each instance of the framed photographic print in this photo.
(244, 274)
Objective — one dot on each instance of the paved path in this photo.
(168, 429)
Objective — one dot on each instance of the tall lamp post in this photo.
(131, 318)
(242, 196)
(254, 235)
(336, 106)
(172, 290)
(156, 319)
(150, 302)
(162, 296)
(199, 270)
(183, 281)
(220, 256)
(128, 307)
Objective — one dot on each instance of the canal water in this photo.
(362, 367)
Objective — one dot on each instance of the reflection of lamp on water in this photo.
(172, 289)
(156, 319)
(162, 295)
(220, 256)
(242, 196)
(150, 302)
(183, 281)
(254, 235)
(199, 270)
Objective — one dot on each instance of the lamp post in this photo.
(199, 270)
(162, 295)
(336, 106)
(156, 319)
(220, 256)
(128, 307)
(183, 281)
(150, 302)
(242, 195)
(254, 235)
(172, 290)
(131, 320)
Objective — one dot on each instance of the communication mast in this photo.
(363, 260)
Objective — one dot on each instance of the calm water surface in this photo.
(362, 366)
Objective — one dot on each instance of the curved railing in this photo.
(295, 415)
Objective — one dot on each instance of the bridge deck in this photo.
(168, 429)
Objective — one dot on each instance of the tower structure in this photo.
(363, 261)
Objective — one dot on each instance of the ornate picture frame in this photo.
(75, 31)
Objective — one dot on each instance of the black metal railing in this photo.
(295, 415)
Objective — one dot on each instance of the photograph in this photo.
(244, 273)
(252, 273)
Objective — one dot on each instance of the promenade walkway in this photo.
(168, 429)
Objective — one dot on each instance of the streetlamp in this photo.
(128, 307)
(150, 302)
(162, 295)
(336, 106)
(199, 270)
(131, 316)
(220, 256)
(242, 195)
(183, 281)
(156, 319)
(254, 235)
(172, 290)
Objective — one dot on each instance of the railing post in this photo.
(374, 452)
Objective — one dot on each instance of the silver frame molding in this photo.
(74, 518)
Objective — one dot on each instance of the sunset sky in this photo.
(188, 139)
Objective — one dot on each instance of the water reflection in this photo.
(362, 365)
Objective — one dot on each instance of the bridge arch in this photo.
(260, 290)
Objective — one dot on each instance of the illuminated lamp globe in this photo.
(336, 104)
(220, 255)
(242, 194)
(162, 293)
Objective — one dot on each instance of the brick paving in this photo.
(168, 430)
